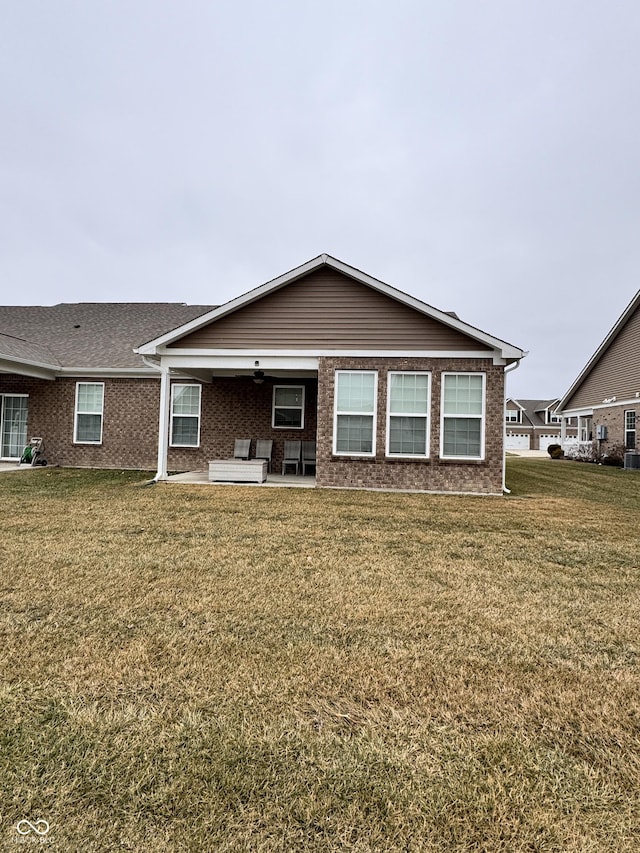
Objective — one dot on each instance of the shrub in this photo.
(613, 455)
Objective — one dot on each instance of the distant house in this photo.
(396, 394)
(605, 398)
(534, 424)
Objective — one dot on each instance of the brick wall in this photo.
(613, 419)
(238, 408)
(231, 408)
(432, 474)
(130, 422)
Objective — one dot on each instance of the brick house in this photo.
(605, 398)
(396, 394)
(535, 424)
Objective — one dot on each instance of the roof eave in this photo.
(507, 351)
(631, 307)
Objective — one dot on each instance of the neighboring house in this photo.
(605, 398)
(534, 424)
(397, 394)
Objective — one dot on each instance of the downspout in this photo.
(163, 422)
(505, 490)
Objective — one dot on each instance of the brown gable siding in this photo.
(617, 373)
(328, 310)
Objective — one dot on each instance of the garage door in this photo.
(546, 440)
(517, 442)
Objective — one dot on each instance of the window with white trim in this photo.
(630, 429)
(354, 427)
(463, 416)
(185, 415)
(288, 407)
(553, 418)
(513, 416)
(408, 414)
(89, 412)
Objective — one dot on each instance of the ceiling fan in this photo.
(258, 376)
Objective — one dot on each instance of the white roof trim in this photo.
(506, 350)
(22, 367)
(628, 311)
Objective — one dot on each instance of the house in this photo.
(605, 398)
(534, 424)
(395, 393)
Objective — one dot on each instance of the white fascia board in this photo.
(507, 351)
(231, 306)
(257, 354)
(517, 402)
(628, 311)
(585, 411)
(239, 361)
(24, 368)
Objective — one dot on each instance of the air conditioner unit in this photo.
(632, 459)
(601, 432)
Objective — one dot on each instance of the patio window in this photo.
(463, 414)
(288, 407)
(355, 413)
(630, 429)
(88, 413)
(185, 415)
(408, 414)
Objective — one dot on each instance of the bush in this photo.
(613, 455)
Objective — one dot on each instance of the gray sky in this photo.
(481, 156)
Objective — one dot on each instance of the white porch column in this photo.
(163, 424)
(563, 430)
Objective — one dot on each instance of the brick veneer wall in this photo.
(231, 408)
(432, 474)
(238, 408)
(613, 419)
(130, 422)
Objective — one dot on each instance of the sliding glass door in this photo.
(13, 425)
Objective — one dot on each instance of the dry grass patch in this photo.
(212, 668)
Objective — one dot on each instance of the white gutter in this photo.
(505, 490)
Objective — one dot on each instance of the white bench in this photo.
(238, 471)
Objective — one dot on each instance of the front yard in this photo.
(200, 668)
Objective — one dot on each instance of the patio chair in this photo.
(242, 448)
(291, 455)
(264, 448)
(308, 455)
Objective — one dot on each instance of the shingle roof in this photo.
(21, 350)
(534, 409)
(88, 335)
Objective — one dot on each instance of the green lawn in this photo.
(200, 668)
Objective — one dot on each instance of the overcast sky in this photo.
(481, 155)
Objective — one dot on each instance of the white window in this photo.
(185, 415)
(288, 407)
(408, 414)
(463, 413)
(88, 413)
(513, 416)
(354, 427)
(552, 418)
(630, 429)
